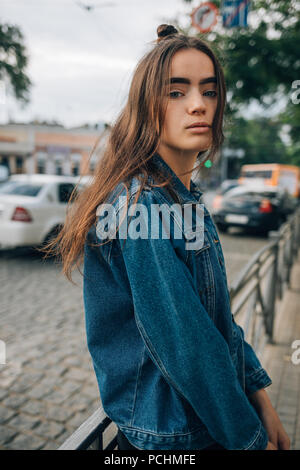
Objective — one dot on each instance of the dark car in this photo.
(259, 209)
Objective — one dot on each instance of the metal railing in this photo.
(91, 434)
(262, 282)
(253, 296)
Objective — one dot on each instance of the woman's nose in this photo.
(196, 103)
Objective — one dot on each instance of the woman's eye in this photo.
(210, 93)
(175, 94)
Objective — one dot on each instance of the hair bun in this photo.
(165, 30)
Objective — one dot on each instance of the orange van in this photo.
(273, 174)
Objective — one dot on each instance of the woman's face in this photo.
(192, 100)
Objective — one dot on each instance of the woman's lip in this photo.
(199, 129)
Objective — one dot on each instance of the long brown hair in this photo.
(133, 140)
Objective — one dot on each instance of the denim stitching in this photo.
(136, 384)
(160, 435)
(202, 249)
(257, 436)
(211, 292)
(256, 372)
(154, 355)
(244, 374)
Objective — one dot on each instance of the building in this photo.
(51, 149)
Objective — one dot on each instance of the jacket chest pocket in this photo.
(205, 277)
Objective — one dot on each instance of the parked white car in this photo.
(33, 208)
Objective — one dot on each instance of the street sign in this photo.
(235, 13)
(204, 17)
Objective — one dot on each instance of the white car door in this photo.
(52, 209)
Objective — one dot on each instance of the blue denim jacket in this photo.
(172, 365)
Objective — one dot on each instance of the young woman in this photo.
(173, 368)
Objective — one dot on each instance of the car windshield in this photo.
(21, 188)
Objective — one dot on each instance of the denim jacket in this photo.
(173, 368)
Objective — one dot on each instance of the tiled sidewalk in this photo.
(285, 389)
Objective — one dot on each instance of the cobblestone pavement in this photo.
(48, 386)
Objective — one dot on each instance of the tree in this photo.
(291, 118)
(13, 61)
(259, 138)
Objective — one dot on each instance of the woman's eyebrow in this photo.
(188, 82)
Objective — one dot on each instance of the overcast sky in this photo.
(81, 62)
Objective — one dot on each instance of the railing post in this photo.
(98, 443)
(296, 233)
(271, 303)
(289, 259)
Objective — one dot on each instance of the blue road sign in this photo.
(235, 13)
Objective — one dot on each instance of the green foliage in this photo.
(260, 139)
(13, 61)
(291, 117)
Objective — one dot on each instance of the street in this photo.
(47, 386)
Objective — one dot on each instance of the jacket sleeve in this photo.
(256, 377)
(185, 344)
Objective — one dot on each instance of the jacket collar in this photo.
(184, 194)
